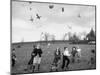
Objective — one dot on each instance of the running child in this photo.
(66, 55)
(73, 53)
(37, 57)
(56, 61)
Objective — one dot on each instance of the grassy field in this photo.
(24, 54)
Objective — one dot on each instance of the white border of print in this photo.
(5, 36)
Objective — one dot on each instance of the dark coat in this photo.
(57, 57)
(74, 52)
(31, 59)
(38, 52)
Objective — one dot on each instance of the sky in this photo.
(74, 19)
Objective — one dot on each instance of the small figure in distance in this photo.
(13, 57)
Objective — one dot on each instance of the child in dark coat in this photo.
(37, 57)
(73, 53)
(66, 56)
(13, 58)
(30, 63)
(57, 58)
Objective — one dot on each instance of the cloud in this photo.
(53, 20)
(22, 29)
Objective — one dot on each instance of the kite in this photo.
(38, 17)
(62, 9)
(31, 19)
(30, 2)
(79, 16)
(51, 6)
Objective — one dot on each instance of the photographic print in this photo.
(52, 37)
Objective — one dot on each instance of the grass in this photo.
(24, 54)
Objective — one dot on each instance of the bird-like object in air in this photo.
(30, 2)
(69, 27)
(62, 9)
(51, 6)
(31, 19)
(79, 16)
(38, 17)
(30, 8)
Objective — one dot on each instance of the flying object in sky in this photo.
(51, 6)
(69, 27)
(38, 17)
(31, 19)
(30, 2)
(79, 16)
(30, 8)
(62, 9)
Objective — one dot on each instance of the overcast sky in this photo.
(75, 18)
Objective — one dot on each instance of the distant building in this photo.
(46, 37)
(67, 36)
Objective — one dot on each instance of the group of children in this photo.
(63, 58)
(35, 58)
(58, 57)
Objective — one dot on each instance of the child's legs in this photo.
(63, 64)
(73, 59)
(31, 66)
(34, 63)
(38, 62)
(68, 61)
(13, 62)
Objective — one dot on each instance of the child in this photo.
(66, 55)
(57, 58)
(37, 57)
(13, 57)
(30, 63)
(78, 54)
(92, 58)
(73, 53)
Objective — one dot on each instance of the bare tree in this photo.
(74, 38)
(52, 37)
(46, 36)
(65, 36)
(91, 35)
(42, 36)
